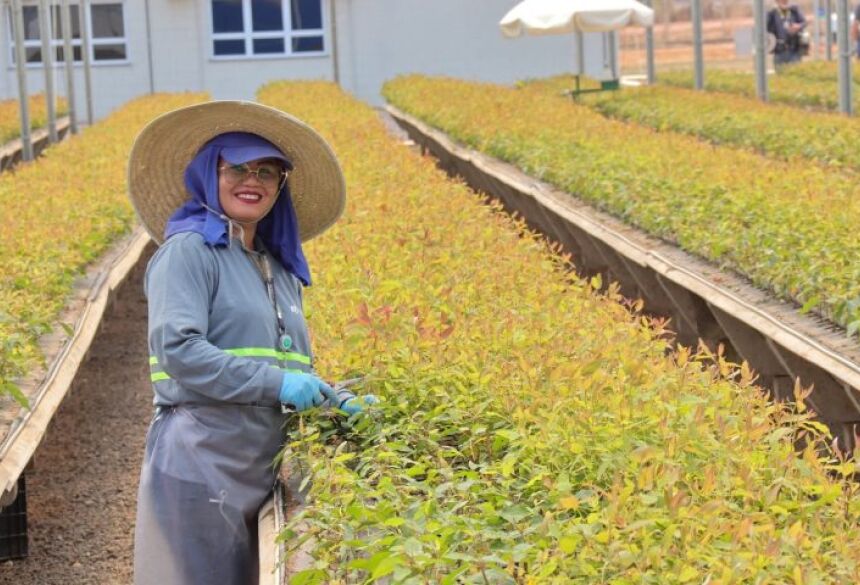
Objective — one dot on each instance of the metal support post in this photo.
(829, 24)
(844, 45)
(48, 67)
(696, 6)
(580, 53)
(816, 29)
(84, 8)
(21, 70)
(760, 51)
(334, 46)
(149, 65)
(649, 49)
(68, 58)
(612, 39)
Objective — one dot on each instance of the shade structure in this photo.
(549, 17)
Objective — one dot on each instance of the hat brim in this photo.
(165, 147)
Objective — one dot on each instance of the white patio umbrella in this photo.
(546, 17)
(549, 17)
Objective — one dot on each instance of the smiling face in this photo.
(247, 197)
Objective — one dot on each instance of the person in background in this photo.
(230, 191)
(786, 23)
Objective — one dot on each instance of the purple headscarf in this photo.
(279, 230)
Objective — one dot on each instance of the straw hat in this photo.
(166, 146)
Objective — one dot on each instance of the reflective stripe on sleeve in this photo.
(286, 356)
(156, 375)
(159, 376)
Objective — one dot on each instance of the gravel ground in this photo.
(82, 488)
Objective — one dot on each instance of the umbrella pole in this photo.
(580, 53)
(613, 55)
(580, 61)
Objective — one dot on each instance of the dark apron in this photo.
(206, 472)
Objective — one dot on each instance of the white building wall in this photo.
(182, 55)
(113, 84)
(177, 34)
(376, 41)
(179, 41)
(239, 80)
(380, 39)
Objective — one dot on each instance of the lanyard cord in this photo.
(261, 261)
(266, 272)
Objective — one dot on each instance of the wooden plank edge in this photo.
(837, 365)
(18, 448)
(267, 531)
(270, 522)
(10, 153)
(795, 341)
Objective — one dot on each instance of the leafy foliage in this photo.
(10, 117)
(820, 71)
(531, 429)
(792, 89)
(775, 130)
(789, 228)
(61, 212)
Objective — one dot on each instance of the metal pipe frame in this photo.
(651, 71)
(69, 60)
(816, 30)
(698, 53)
(84, 15)
(48, 69)
(21, 70)
(760, 51)
(843, 38)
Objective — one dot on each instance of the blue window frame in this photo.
(108, 43)
(248, 28)
(306, 14)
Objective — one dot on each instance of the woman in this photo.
(230, 190)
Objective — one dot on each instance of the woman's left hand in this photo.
(355, 404)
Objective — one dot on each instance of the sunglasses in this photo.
(270, 175)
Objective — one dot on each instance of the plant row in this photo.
(10, 116)
(789, 228)
(792, 90)
(771, 129)
(530, 429)
(63, 211)
(813, 70)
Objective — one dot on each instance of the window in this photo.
(106, 30)
(267, 27)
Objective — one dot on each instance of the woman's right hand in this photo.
(302, 391)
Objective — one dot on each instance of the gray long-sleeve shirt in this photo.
(213, 334)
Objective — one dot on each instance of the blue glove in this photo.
(302, 391)
(352, 404)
